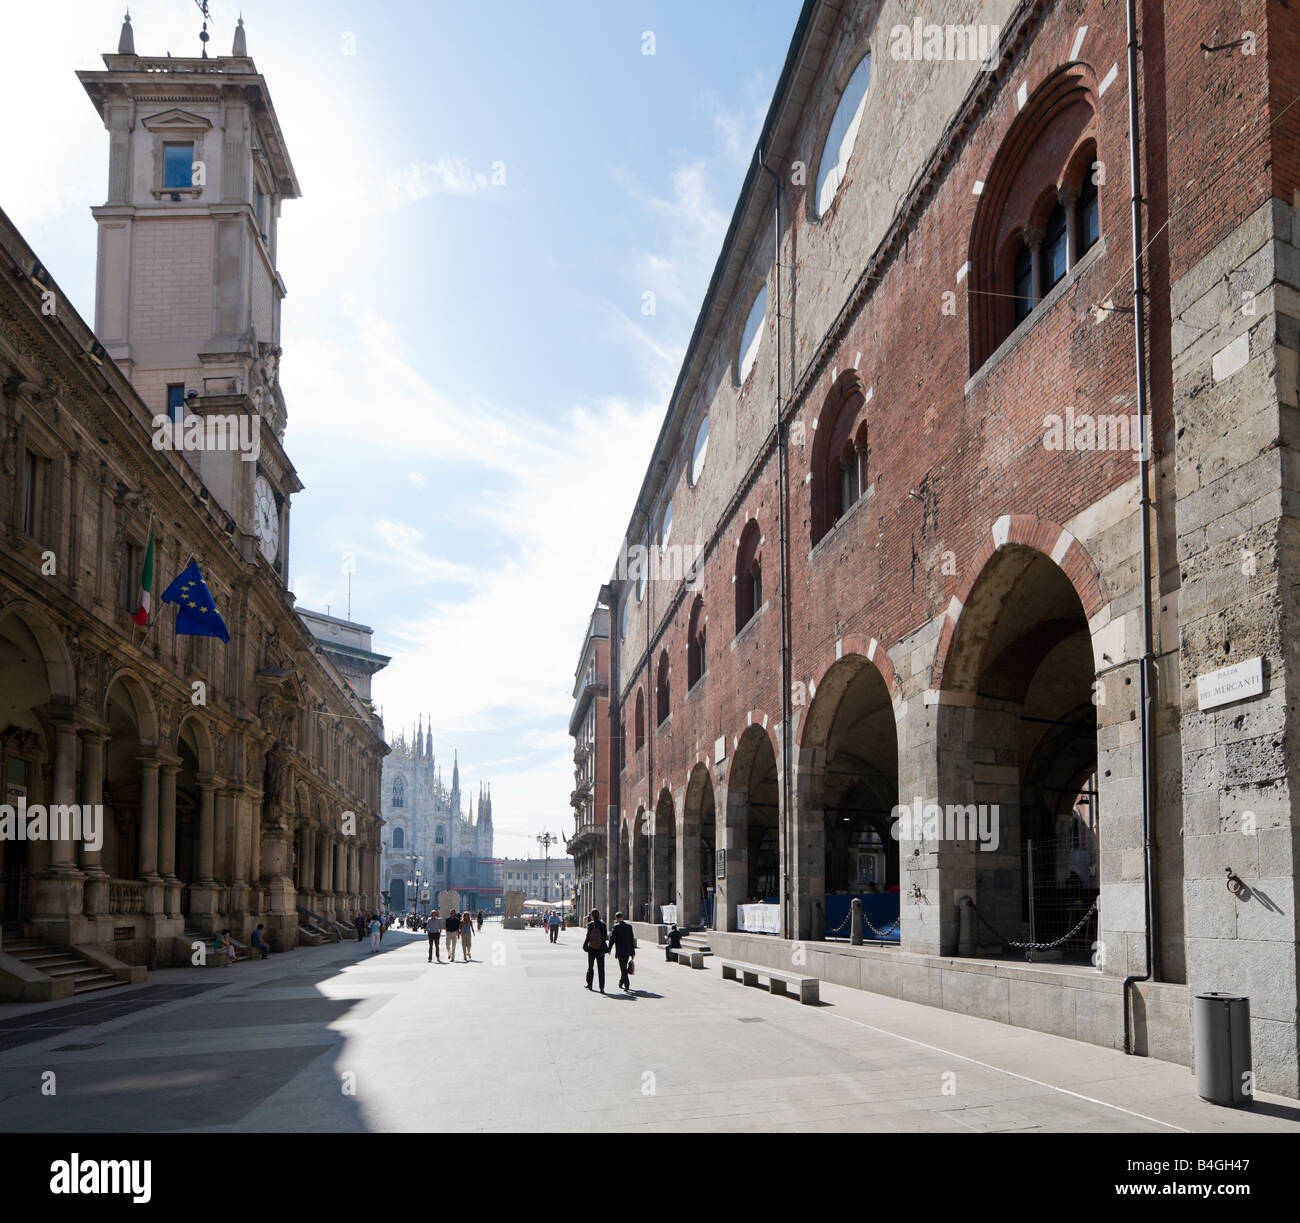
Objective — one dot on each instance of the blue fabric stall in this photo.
(881, 909)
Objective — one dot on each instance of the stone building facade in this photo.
(589, 727)
(539, 878)
(907, 551)
(436, 839)
(238, 781)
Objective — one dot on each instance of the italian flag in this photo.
(146, 583)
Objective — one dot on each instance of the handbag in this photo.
(631, 968)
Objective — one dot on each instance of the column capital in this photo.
(211, 781)
(1033, 237)
(1066, 196)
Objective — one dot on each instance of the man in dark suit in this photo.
(622, 942)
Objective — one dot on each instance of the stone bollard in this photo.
(966, 928)
(855, 921)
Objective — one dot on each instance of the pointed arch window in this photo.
(440, 836)
(661, 690)
(1039, 211)
(749, 574)
(399, 838)
(399, 792)
(640, 720)
(695, 662)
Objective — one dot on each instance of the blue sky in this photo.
(489, 190)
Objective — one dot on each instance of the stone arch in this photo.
(663, 862)
(140, 701)
(847, 791)
(752, 827)
(696, 849)
(1037, 534)
(60, 675)
(1016, 724)
(639, 897)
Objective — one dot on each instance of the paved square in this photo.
(334, 1038)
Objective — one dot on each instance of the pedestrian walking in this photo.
(595, 945)
(376, 933)
(622, 942)
(466, 936)
(554, 923)
(451, 927)
(480, 921)
(434, 928)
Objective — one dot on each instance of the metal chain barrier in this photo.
(885, 933)
(1030, 946)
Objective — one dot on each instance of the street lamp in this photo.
(546, 841)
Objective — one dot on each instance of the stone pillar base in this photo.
(57, 898)
(95, 895)
(203, 907)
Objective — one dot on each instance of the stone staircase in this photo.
(61, 963)
(697, 940)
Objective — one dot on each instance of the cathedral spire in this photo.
(419, 738)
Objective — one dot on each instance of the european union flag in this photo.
(196, 613)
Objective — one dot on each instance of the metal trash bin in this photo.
(1221, 1039)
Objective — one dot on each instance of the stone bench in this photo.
(684, 955)
(779, 982)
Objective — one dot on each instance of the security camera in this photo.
(191, 394)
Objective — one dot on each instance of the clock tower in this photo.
(188, 297)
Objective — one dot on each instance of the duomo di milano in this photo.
(239, 781)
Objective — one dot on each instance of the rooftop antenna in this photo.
(203, 34)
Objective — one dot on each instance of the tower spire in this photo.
(126, 40)
(241, 43)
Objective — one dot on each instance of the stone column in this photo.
(1034, 240)
(95, 900)
(57, 897)
(148, 846)
(203, 890)
(167, 836)
(64, 793)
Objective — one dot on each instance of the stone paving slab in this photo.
(336, 1039)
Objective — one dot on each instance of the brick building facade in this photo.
(906, 549)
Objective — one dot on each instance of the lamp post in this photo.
(546, 841)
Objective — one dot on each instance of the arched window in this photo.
(751, 339)
(843, 134)
(440, 866)
(1054, 249)
(666, 524)
(622, 620)
(439, 835)
(700, 450)
(640, 720)
(399, 792)
(661, 689)
(695, 644)
(399, 838)
(1038, 213)
(839, 456)
(1087, 215)
(749, 575)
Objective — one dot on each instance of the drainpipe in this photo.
(790, 915)
(1147, 514)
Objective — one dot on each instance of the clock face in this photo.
(266, 519)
